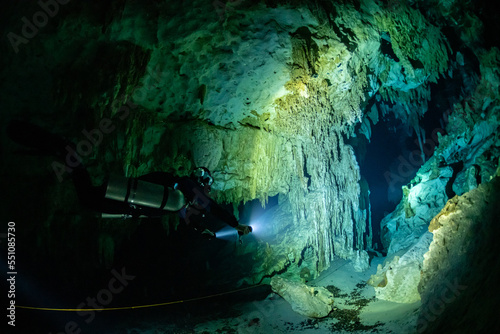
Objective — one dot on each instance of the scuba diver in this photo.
(151, 195)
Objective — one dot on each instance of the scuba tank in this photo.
(138, 193)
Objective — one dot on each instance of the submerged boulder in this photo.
(313, 302)
(398, 279)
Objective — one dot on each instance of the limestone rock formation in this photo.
(461, 265)
(466, 156)
(397, 281)
(269, 97)
(313, 302)
(287, 138)
(420, 203)
(361, 260)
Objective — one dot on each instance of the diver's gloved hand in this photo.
(243, 229)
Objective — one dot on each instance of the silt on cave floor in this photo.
(355, 310)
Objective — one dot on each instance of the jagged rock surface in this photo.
(266, 97)
(466, 157)
(313, 302)
(289, 138)
(398, 279)
(461, 268)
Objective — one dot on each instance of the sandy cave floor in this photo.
(356, 310)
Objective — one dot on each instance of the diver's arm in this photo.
(221, 213)
(229, 219)
(201, 201)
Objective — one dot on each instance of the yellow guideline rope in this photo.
(132, 307)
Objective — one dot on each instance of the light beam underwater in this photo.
(226, 233)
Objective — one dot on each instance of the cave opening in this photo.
(387, 159)
(381, 166)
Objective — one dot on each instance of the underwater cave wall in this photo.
(266, 96)
(270, 94)
(466, 156)
(460, 270)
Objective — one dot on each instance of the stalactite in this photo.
(275, 125)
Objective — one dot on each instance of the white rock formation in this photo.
(466, 156)
(361, 260)
(421, 202)
(397, 281)
(313, 302)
